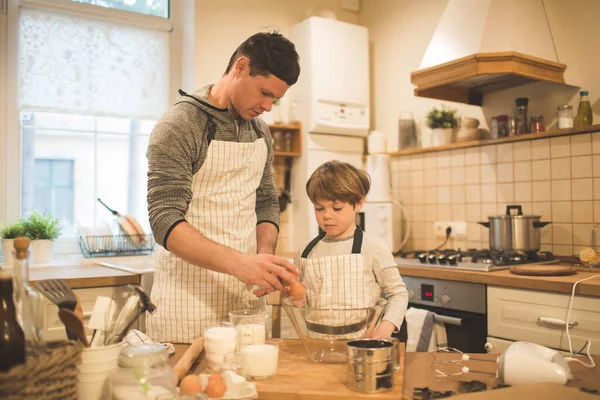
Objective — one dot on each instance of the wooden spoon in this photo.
(74, 324)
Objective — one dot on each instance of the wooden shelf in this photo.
(467, 79)
(295, 128)
(477, 143)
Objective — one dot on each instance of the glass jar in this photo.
(503, 126)
(144, 373)
(287, 142)
(565, 116)
(277, 141)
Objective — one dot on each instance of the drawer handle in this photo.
(556, 321)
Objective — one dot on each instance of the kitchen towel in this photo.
(424, 332)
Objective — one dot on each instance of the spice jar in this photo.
(565, 116)
(143, 370)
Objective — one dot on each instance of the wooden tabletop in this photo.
(505, 278)
(84, 276)
(299, 378)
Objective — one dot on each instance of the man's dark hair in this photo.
(269, 53)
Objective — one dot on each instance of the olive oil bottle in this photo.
(584, 112)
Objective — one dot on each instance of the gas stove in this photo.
(474, 260)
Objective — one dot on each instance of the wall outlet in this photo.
(459, 229)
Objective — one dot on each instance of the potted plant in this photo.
(42, 230)
(8, 234)
(442, 123)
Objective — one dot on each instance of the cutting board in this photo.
(298, 377)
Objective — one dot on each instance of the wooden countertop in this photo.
(563, 284)
(299, 378)
(418, 373)
(84, 276)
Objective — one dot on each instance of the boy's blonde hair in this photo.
(338, 181)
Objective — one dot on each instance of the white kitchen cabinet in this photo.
(513, 316)
(54, 328)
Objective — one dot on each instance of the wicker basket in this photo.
(50, 376)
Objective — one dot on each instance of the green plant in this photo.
(41, 227)
(444, 118)
(12, 231)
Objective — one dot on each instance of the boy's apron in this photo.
(337, 284)
(189, 298)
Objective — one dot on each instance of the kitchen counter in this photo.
(84, 276)
(418, 372)
(563, 284)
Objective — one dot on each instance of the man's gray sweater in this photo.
(177, 149)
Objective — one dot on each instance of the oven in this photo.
(461, 306)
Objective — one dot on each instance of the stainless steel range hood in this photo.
(482, 46)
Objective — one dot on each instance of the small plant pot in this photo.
(41, 251)
(441, 136)
(7, 249)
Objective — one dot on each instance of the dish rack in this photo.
(115, 245)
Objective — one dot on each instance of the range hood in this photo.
(482, 46)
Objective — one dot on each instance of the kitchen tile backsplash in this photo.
(557, 178)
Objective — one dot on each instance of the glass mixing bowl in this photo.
(324, 330)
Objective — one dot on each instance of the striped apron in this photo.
(189, 298)
(337, 284)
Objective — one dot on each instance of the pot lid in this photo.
(510, 215)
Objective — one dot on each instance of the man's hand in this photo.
(384, 330)
(266, 271)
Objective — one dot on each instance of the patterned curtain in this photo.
(77, 65)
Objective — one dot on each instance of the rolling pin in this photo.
(185, 362)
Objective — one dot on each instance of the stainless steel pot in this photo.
(512, 232)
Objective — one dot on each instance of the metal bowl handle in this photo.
(514, 207)
(539, 224)
(486, 224)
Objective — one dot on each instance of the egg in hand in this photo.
(297, 289)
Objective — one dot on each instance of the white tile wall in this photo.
(557, 178)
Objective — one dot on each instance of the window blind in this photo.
(78, 65)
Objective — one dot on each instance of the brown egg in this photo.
(297, 290)
(215, 388)
(190, 386)
(216, 377)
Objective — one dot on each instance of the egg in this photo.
(190, 386)
(215, 388)
(297, 290)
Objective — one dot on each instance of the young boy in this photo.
(344, 267)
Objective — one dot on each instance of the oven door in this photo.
(466, 331)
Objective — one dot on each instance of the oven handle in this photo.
(448, 320)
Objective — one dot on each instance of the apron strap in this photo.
(356, 242)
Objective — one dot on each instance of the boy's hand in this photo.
(384, 330)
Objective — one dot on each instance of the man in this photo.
(212, 199)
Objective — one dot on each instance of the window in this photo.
(90, 92)
(157, 8)
(71, 160)
(53, 188)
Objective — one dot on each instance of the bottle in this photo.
(522, 122)
(584, 112)
(12, 339)
(28, 301)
